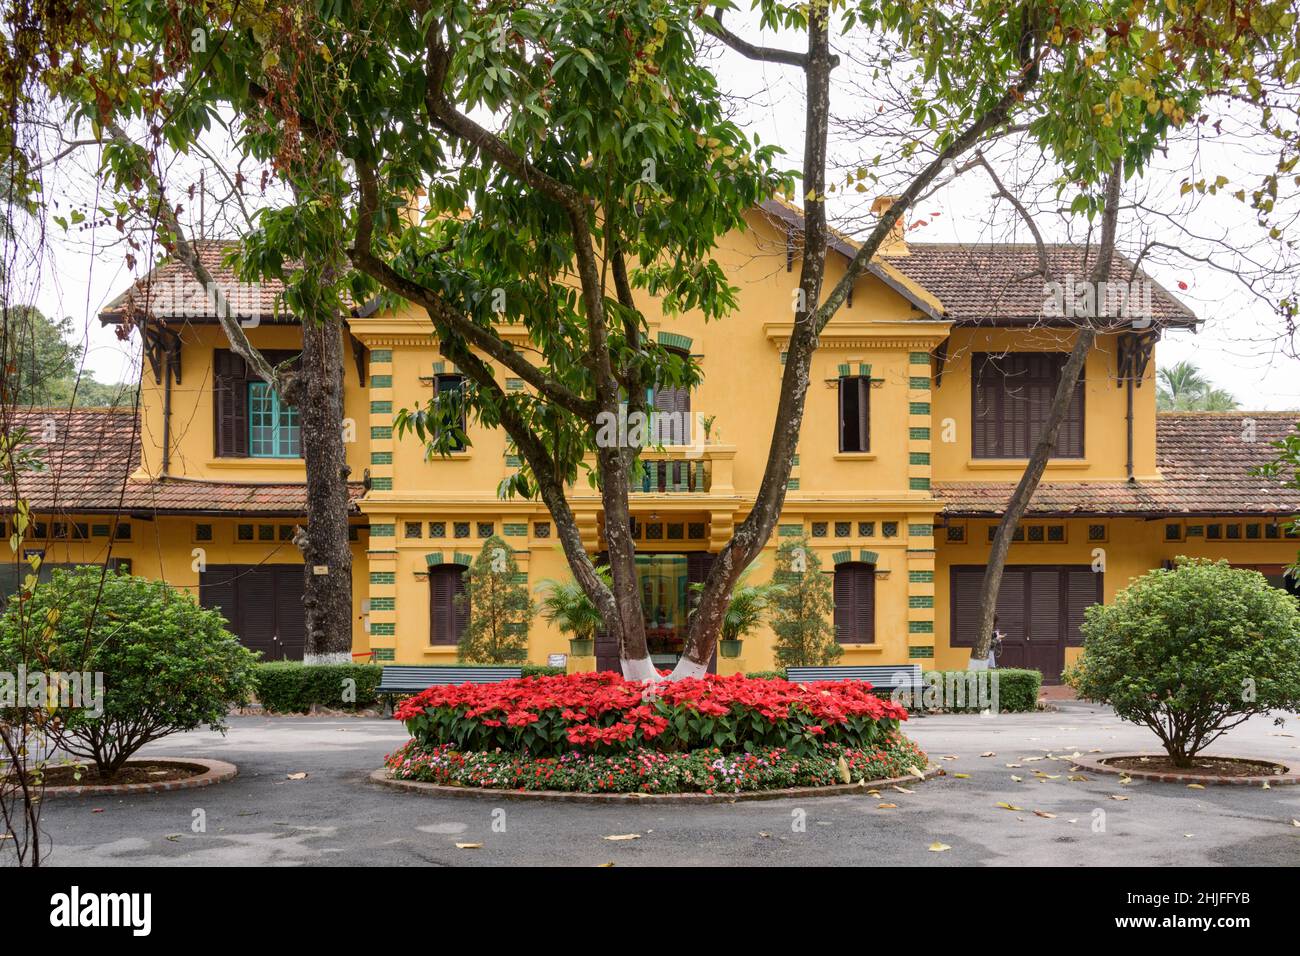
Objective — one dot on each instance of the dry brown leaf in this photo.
(903, 789)
(1116, 796)
(1045, 815)
(624, 836)
(469, 846)
(297, 776)
(989, 753)
(886, 806)
(1196, 786)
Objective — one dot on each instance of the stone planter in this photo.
(582, 648)
(729, 648)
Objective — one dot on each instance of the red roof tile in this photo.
(1204, 460)
(87, 467)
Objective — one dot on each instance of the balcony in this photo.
(685, 469)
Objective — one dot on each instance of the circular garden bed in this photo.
(1205, 769)
(136, 776)
(596, 734)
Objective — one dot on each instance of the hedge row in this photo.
(962, 691)
(288, 687)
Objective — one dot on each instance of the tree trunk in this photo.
(1028, 484)
(327, 555)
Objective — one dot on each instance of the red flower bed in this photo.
(602, 713)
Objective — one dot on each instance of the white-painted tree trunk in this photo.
(339, 657)
(687, 668)
(640, 669)
(977, 664)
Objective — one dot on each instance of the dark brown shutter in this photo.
(964, 600)
(447, 615)
(855, 603)
(854, 415)
(1083, 588)
(290, 615)
(1012, 395)
(230, 404)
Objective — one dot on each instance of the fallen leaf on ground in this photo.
(604, 865)
(886, 806)
(949, 756)
(469, 846)
(1076, 777)
(937, 847)
(1017, 779)
(1196, 786)
(989, 753)
(624, 836)
(1295, 823)
(297, 776)
(1014, 766)
(903, 789)
(920, 775)
(1008, 806)
(764, 835)
(962, 776)
(174, 837)
(1045, 815)
(1116, 796)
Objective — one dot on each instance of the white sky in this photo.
(1239, 347)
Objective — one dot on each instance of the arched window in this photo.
(855, 603)
(447, 615)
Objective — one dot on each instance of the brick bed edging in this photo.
(1291, 775)
(218, 771)
(380, 776)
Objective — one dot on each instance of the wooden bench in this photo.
(411, 679)
(885, 679)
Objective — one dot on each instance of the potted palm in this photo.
(748, 605)
(567, 606)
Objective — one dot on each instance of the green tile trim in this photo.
(439, 368)
(520, 577)
(864, 369)
(918, 408)
(921, 530)
(918, 484)
(842, 557)
(845, 369)
(918, 383)
(918, 434)
(385, 629)
(381, 458)
(432, 558)
(789, 530)
(920, 627)
(675, 340)
(515, 530)
(463, 558)
(381, 432)
(920, 600)
(921, 653)
(783, 357)
(382, 653)
(383, 530)
(383, 604)
(919, 358)
(920, 577)
(381, 356)
(513, 461)
(381, 484)
(868, 557)
(514, 385)
(918, 458)
(794, 462)
(383, 577)
(792, 484)
(381, 381)
(381, 408)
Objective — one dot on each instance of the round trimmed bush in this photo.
(167, 664)
(1192, 652)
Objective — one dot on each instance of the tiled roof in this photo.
(170, 291)
(89, 462)
(1002, 283)
(1204, 459)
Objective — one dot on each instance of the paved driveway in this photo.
(334, 816)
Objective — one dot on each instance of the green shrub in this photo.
(778, 674)
(288, 687)
(969, 691)
(500, 607)
(168, 664)
(801, 608)
(1192, 652)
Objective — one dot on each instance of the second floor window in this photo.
(855, 413)
(448, 390)
(273, 429)
(249, 420)
(1011, 396)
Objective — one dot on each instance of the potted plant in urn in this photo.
(567, 606)
(749, 603)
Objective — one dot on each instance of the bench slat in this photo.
(878, 675)
(407, 678)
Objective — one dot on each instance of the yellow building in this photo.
(927, 387)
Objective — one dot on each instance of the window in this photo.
(232, 401)
(671, 405)
(1011, 396)
(855, 405)
(273, 429)
(451, 408)
(447, 614)
(855, 603)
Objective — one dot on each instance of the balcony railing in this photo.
(673, 475)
